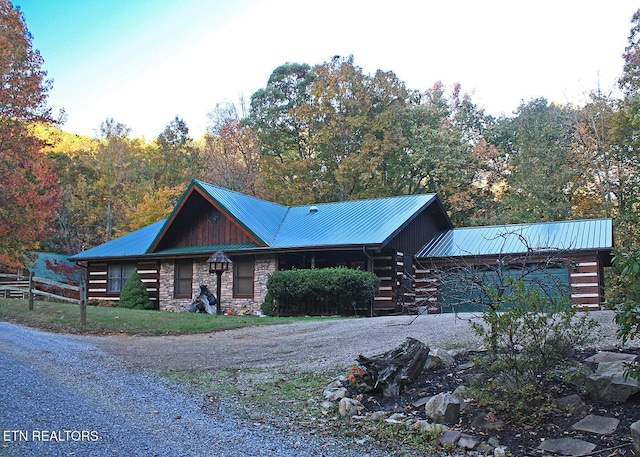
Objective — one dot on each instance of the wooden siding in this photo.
(586, 279)
(199, 224)
(98, 275)
(412, 237)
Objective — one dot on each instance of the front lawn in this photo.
(65, 318)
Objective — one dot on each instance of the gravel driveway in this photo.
(313, 345)
(97, 396)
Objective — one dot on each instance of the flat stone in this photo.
(467, 441)
(604, 356)
(421, 401)
(597, 424)
(449, 437)
(573, 404)
(567, 446)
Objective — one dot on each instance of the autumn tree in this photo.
(28, 195)
(283, 138)
(536, 144)
(626, 142)
(172, 160)
(230, 157)
(119, 184)
(445, 151)
(328, 133)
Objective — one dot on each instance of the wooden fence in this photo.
(25, 287)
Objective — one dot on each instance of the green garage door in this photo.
(464, 289)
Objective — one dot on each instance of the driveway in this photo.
(312, 345)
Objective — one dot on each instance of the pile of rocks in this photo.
(603, 380)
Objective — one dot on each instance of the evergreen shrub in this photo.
(134, 294)
(337, 289)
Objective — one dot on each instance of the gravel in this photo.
(98, 396)
(312, 346)
(63, 396)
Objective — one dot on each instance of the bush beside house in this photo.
(323, 291)
(134, 294)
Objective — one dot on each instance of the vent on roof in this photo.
(313, 209)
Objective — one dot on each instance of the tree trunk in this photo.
(396, 368)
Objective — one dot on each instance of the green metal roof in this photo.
(358, 222)
(132, 244)
(353, 222)
(593, 234)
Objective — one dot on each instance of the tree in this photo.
(172, 159)
(445, 152)
(328, 133)
(28, 195)
(283, 138)
(118, 160)
(536, 144)
(231, 156)
(134, 294)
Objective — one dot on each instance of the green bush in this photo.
(627, 308)
(134, 294)
(300, 291)
(268, 307)
(529, 338)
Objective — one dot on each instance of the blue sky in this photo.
(143, 62)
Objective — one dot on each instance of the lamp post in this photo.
(218, 264)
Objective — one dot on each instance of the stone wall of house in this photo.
(263, 267)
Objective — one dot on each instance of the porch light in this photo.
(219, 263)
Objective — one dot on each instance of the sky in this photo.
(144, 62)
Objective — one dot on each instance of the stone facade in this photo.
(263, 267)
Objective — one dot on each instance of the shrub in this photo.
(627, 310)
(300, 290)
(134, 294)
(529, 338)
(268, 307)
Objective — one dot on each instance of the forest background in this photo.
(316, 133)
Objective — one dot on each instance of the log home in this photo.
(391, 237)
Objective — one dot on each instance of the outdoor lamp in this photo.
(219, 263)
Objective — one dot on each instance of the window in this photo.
(243, 278)
(118, 276)
(183, 279)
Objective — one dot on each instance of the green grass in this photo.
(65, 318)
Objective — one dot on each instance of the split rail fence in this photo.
(25, 287)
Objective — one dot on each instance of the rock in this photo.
(609, 383)
(606, 357)
(421, 402)
(439, 358)
(396, 418)
(449, 438)
(468, 442)
(567, 446)
(427, 427)
(487, 421)
(350, 407)
(572, 404)
(327, 404)
(462, 393)
(443, 408)
(500, 451)
(379, 415)
(635, 436)
(597, 424)
(335, 394)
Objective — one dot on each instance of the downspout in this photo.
(371, 261)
